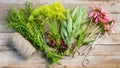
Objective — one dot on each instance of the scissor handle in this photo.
(85, 62)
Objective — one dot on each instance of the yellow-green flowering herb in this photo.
(47, 11)
(49, 14)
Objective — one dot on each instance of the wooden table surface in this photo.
(106, 54)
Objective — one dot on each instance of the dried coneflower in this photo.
(99, 16)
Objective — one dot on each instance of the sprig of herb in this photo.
(49, 14)
(73, 26)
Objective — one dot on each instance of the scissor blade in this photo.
(93, 44)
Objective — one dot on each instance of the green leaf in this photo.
(70, 41)
(87, 41)
(74, 12)
(69, 26)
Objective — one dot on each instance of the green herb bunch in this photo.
(73, 27)
(19, 20)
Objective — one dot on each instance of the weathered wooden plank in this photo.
(5, 29)
(6, 6)
(25, 66)
(100, 56)
(117, 26)
(6, 48)
(3, 14)
(4, 38)
(110, 65)
(3, 21)
(95, 61)
(110, 39)
(106, 50)
(47, 1)
(115, 16)
(103, 62)
(109, 47)
(3, 7)
(7, 1)
(99, 0)
(114, 5)
(31, 63)
(3, 41)
(101, 50)
(4, 35)
(10, 59)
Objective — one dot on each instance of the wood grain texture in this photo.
(106, 54)
(5, 48)
(110, 39)
(95, 60)
(5, 29)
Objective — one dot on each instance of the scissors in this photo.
(85, 60)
